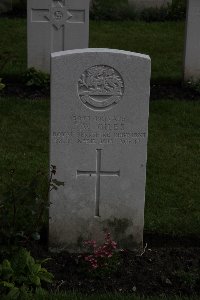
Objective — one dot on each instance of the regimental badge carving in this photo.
(100, 87)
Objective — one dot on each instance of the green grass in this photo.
(108, 297)
(24, 137)
(13, 47)
(172, 193)
(164, 42)
(74, 296)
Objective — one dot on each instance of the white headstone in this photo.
(55, 26)
(192, 44)
(99, 128)
(141, 4)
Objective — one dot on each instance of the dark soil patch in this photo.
(155, 271)
(166, 240)
(14, 13)
(174, 91)
(20, 90)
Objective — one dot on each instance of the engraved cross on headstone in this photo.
(98, 173)
(59, 15)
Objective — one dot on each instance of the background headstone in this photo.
(192, 43)
(55, 26)
(141, 4)
(99, 128)
(5, 5)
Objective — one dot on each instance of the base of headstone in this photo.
(122, 230)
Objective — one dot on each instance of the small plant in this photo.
(22, 276)
(104, 259)
(21, 203)
(36, 79)
(2, 85)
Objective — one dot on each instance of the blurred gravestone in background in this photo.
(142, 4)
(192, 42)
(55, 26)
(109, 9)
(5, 5)
(147, 10)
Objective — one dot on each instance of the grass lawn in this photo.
(164, 42)
(107, 297)
(74, 296)
(172, 193)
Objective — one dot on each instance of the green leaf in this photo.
(46, 276)
(25, 293)
(36, 268)
(2, 86)
(6, 265)
(6, 270)
(7, 284)
(44, 260)
(14, 293)
(30, 263)
(19, 279)
(35, 280)
(19, 261)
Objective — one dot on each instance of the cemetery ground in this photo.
(169, 266)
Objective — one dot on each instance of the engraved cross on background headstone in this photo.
(59, 15)
(98, 173)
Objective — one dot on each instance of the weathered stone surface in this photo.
(55, 26)
(99, 128)
(141, 4)
(5, 5)
(192, 43)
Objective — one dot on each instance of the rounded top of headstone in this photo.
(100, 50)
